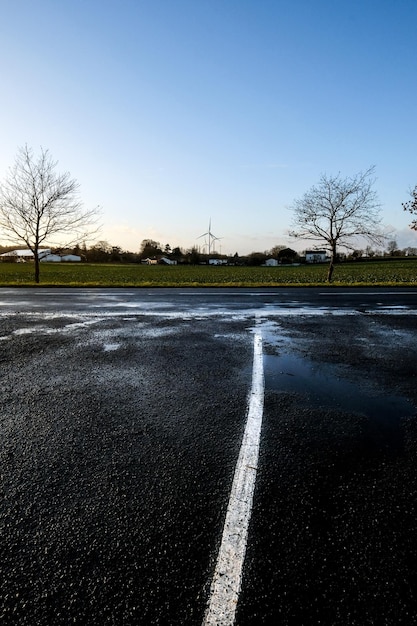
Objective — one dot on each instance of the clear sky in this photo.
(172, 112)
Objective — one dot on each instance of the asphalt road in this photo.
(122, 414)
(181, 299)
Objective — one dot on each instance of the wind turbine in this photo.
(211, 237)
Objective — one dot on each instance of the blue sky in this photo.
(172, 112)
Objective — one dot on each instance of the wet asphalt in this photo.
(121, 418)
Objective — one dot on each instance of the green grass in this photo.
(396, 272)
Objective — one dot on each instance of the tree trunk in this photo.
(36, 267)
(330, 270)
(332, 262)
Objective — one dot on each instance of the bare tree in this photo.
(337, 211)
(38, 205)
(411, 207)
(392, 247)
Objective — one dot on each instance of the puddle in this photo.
(111, 347)
(322, 385)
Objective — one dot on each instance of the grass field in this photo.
(395, 272)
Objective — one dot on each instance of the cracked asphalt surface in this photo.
(121, 417)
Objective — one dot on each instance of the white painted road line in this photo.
(368, 293)
(225, 587)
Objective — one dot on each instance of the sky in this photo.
(172, 113)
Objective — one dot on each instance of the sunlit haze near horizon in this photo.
(170, 113)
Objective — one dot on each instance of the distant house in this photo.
(316, 256)
(149, 262)
(17, 255)
(45, 255)
(165, 261)
(23, 255)
(271, 263)
(217, 261)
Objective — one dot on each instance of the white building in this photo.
(149, 261)
(45, 255)
(23, 255)
(316, 256)
(165, 261)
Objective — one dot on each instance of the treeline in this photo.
(103, 252)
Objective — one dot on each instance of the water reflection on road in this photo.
(323, 385)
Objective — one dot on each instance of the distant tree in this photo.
(77, 250)
(357, 254)
(411, 207)
(193, 256)
(167, 249)
(337, 211)
(256, 258)
(116, 254)
(100, 252)
(39, 205)
(130, 257)
(287, 255)
(274, 252)
(104, 246)
(392, 247)
(149, 248)
(177, 253)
